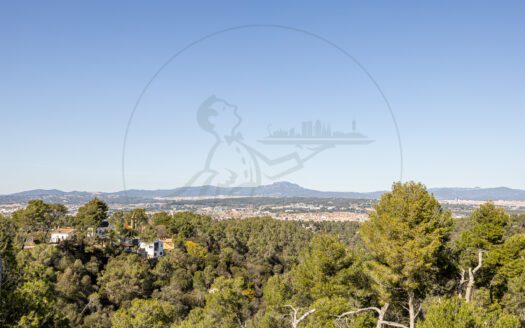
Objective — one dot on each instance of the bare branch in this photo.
(292, 307)
(418, 310)
(296, 321)
(393, 324)
(471, 272)
(305, 315)
(463, 280)
(480, 261)
(381, 313)
(359, 311)
(411, 312)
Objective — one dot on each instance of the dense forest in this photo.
(411, 265)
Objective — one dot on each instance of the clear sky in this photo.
(71, 73)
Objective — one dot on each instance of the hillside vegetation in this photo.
(411, 265)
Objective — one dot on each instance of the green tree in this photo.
(196, 250)
(91, 214)
(514, 299)
(137, 218)
(118, 220)
(38, 218)
(326, 307)
(226, 306)
(38, 263)
(505, 262)
(488, 228)
(455, 313)
(276, 294)
(329, 268)
(8, 269)
(126, 277)
(161, 218)
(148, 234)
(74, 286)
(7, 251)
(449, 313)
(144, 314)
(406, 234)
(486, 234)
(37, 305)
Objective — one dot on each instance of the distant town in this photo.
(280, 200)
(290, 208)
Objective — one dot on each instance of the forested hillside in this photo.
(411, 265)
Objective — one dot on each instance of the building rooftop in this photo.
(63, 230)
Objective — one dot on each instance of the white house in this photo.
(152, 249)
(60, 234)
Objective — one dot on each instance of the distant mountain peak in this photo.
(284, 183)
(276, 189)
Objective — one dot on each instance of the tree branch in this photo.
(293, 309)
(359, 311)
(305, 315)
(463, 280)
(381, 312)
(296, 321)
(418, 310)
(480, 261)
(393, 324)
(471, 272)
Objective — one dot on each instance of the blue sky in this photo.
(71, 72)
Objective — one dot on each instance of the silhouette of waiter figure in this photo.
(233, 163)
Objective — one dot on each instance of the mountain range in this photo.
(278, 189)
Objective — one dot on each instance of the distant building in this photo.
(151, 249)
(103, 230)
(130, 244)
(61, 234)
